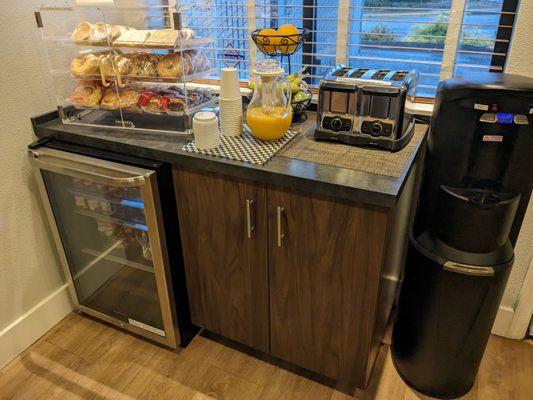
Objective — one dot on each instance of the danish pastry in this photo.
(110, 100)
(129, 98)
(86, 95)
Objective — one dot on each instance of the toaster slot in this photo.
(339, 102)
(324, 99)
(379, 106)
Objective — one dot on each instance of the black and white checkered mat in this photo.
(245, 148)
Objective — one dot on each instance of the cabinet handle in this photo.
(281, 235)
(249, 225)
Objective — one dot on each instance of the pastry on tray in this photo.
(87, 94)
(173, 66)
(179, 64)
(169, 37)
(132, 38)
(98, 34)
(110, 101)
(172, 99)
(86, 64)
(143, 65)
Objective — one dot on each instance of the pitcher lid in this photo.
(268, 67)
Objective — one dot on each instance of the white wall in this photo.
(520, 62)
(29, 268)
(30, 276)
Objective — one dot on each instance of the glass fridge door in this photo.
(106, 219)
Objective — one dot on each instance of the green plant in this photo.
(379, 33)
(429, 33)
(436, 33)
(470, 38)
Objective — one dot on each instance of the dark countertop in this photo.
(303, 175)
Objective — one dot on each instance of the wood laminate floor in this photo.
(84, 359)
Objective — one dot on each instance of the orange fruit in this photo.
(267, 40)
(291, 31)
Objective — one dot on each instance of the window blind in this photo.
(228, 25)
(438, 38)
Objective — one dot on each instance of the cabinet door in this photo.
(325, 257)
(223, 232)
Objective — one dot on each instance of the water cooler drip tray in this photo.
(475, 220)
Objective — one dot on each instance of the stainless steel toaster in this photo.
(366, 107)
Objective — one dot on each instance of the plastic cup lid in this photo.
(205, 116)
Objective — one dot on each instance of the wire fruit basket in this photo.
(273, 44)
(299, 107)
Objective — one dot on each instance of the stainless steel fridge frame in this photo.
(117, 175)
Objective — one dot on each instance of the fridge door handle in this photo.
(95, 169)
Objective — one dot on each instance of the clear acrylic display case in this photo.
(132, 65)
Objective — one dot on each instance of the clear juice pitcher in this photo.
(269, 113)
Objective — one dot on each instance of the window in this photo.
(438, 38)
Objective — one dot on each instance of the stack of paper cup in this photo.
(205, 129)
(230, 103)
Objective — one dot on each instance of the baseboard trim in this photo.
(503, 321)
(25, 330)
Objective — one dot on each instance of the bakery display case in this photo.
(132, 65)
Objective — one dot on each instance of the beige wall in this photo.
(28, 266)
(520, 62)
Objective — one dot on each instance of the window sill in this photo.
(416, 108)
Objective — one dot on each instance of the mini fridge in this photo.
(113, 219)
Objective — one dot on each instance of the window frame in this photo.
(501, 46)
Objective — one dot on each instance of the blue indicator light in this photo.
(131, 203)
(504, 118)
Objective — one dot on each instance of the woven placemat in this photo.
(245, 147)
(375, 161)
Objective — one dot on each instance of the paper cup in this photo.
(205, 129)
(229, 84)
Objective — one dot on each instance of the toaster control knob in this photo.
(376, 129)
(336, 124)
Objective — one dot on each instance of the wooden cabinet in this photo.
(224, 233)
(325, 257)
(312, 283)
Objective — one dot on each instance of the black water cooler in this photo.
(475, 189)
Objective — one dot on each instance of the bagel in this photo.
(88, 64)
(172, 66)
(143, 65)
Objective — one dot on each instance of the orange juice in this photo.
(269, 126)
